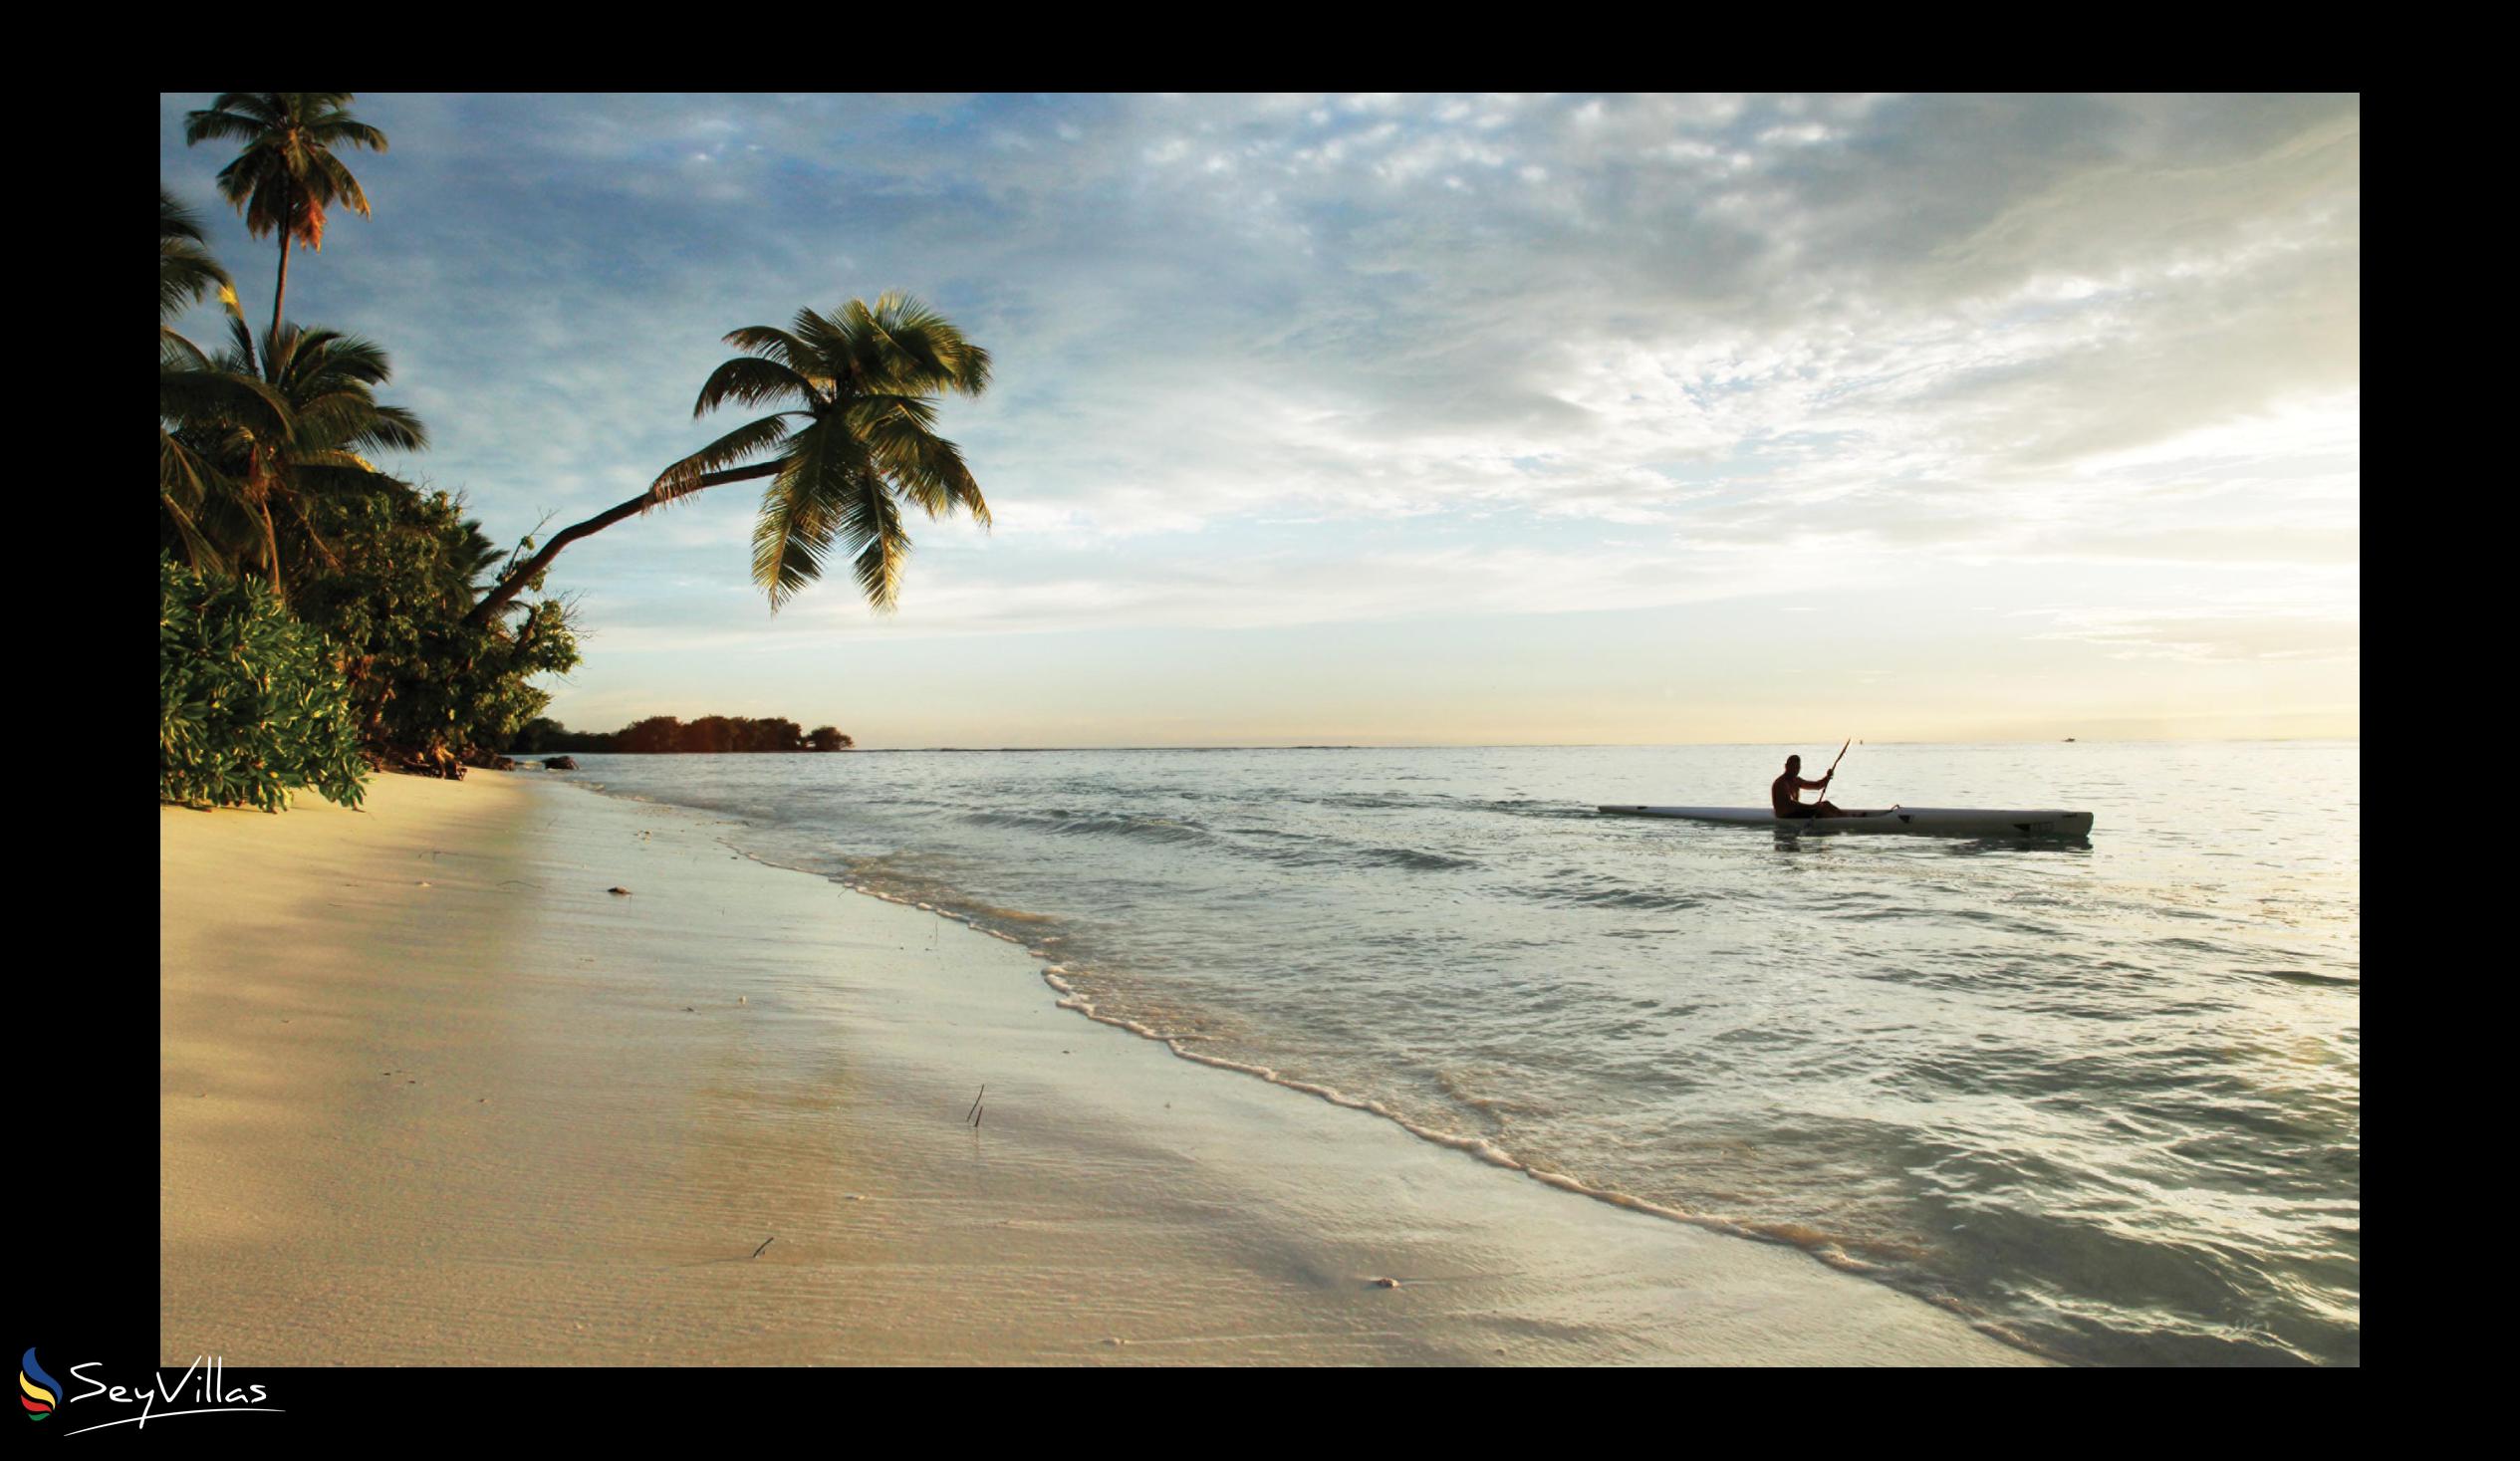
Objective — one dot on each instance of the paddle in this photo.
(1833, 767)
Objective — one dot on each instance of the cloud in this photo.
(2308, 635)
(2120, 333)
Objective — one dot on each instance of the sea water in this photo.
(2103, 1098)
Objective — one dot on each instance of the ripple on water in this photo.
(2103, 1095)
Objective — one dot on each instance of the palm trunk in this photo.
(514, 583)
(280, 290)
(271, 552)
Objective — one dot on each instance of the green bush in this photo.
(250, 702)
(392, 591)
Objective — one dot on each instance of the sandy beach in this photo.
(430, 1093)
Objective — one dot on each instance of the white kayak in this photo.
(1929, 821)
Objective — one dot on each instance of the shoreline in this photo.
(430, 1095)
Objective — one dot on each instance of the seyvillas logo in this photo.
(203, 1384)
(37, 1392)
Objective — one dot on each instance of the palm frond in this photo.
(185, 270)
(337, 129)
(228, 397)
(928, 469)
(332, 356)
(774, 343)
(221, 125)
(797, 518)
(916, 349)
(751, 381)
(199, 552)
(870, 521)
(241, 356)
(329, 182)
(175, 353)
(870, 410)
(744, 442)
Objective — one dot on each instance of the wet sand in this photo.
(431, 1095)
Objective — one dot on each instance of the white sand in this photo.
(429, 1094)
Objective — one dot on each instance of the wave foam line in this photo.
(1829, 1251)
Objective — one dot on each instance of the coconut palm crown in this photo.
(273, 469)
(287, 176)
(856, 440)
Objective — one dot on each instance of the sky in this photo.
(1419, 419)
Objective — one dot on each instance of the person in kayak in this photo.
(1785, 793)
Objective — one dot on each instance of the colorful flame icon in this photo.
(42, 1391)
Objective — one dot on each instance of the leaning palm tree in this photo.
(286, 176)
(856, 440)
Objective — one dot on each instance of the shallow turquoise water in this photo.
(2104, 1097)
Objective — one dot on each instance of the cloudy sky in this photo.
(1423, 418)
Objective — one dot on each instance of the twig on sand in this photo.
(973, 1116)
(766, 1242)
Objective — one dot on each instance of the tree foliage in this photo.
(287, 178)
(429, 687)
(196, 400)
(356, 633)
(665, 735)
(854, 444)
(185, 271)
(250, 702)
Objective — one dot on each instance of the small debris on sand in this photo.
(618, 892)
(1387, 1283)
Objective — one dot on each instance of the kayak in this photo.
(1929, 821)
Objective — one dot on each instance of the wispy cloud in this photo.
(1291, 360)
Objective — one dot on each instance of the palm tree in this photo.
(200, 504)
(194, 394)
(856, 440)
(277, 466)
(286, 176)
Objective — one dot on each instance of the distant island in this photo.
(662, 735)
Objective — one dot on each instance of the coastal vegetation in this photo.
(251, 702)
(663, 734)
(334, 596)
